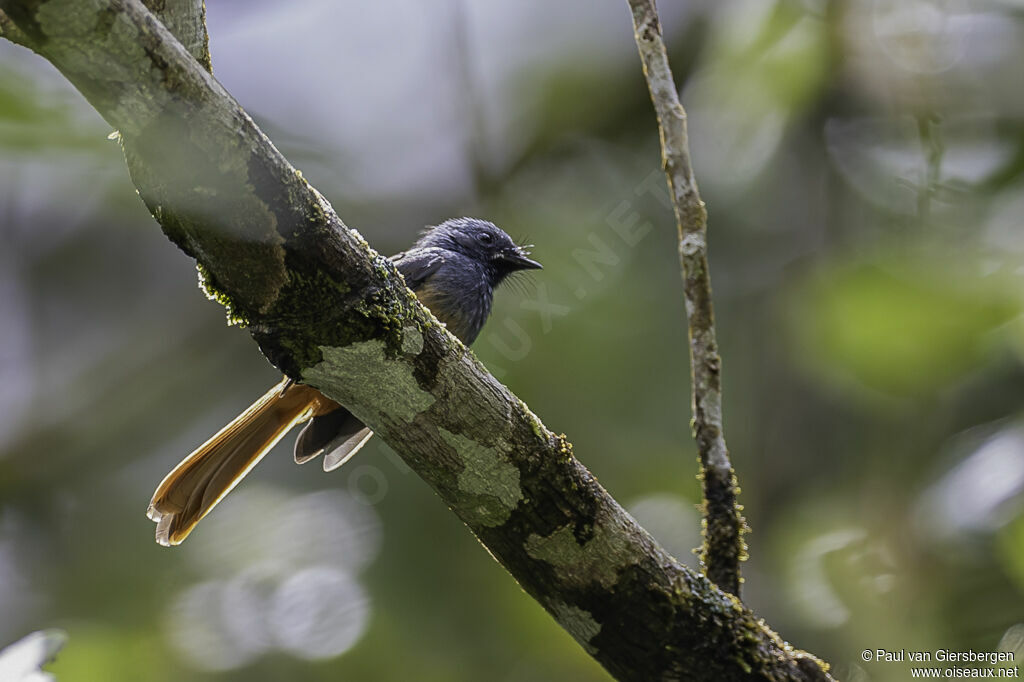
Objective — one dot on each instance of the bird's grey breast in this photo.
(459, 295)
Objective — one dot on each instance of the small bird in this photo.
(453, 268)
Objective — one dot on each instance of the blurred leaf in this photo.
(897, 328)
(101, 654)
(777, 43)
(1010, 542)
(766, 65)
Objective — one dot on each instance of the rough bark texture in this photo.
(186, 20)
(10, 31)
(326, 309)
(723, 547)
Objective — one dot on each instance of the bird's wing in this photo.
(417, 265)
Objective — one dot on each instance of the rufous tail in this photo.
(195, 486)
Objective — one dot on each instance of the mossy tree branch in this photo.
(10, 31)
(723, 547)
(327, 309)
(186, 20)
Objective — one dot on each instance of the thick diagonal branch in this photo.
(186, 20)
(328, 310)
(10, 31)
(724, 525)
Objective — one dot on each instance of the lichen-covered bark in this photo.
(328, 310)
(10, 31)
(723, 524)
(186, 20)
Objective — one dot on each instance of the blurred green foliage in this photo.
(868, 283)
(901, 328)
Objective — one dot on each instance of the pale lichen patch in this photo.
(488, 478)
(692, 244)
(412, 340)
(368, 382)
(599, 559)
(578, 623)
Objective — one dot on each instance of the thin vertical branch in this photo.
(473, 109)
(724, 525)
(933, 149)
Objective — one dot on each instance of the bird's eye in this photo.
(485, 238)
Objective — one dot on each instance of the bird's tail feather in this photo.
(203, 478)
(337, 435)
(346, 450)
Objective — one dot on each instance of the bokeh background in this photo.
(863, 163)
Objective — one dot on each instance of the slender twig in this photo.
(724, 525)
(473, 104)
(933, 149)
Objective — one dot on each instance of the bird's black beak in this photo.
(519, 258)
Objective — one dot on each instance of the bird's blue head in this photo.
(485, 243)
